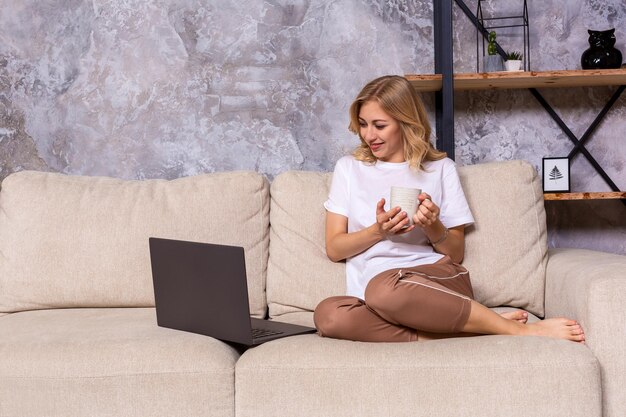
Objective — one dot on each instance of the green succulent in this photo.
(513, 56)
(491, 47)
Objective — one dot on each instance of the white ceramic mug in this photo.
(406, 199)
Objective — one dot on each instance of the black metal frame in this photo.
(444, 100)
(579, 143)
(523, 23)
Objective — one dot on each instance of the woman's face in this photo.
(381, 132)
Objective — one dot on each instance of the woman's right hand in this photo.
(391, 222)
(341, 245)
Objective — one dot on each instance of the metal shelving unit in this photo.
(444, 82)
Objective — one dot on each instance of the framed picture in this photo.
(556, 175)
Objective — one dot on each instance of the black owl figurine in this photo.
(601, 53)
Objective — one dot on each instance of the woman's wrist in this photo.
(441, 239)
(437, 233)
(376, 233)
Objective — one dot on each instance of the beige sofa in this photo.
(78, 333)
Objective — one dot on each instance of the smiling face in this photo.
(381, 132)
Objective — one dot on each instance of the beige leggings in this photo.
(399, 303)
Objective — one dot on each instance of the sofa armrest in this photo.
(590, 287)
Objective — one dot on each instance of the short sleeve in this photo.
(454, 208)
(339, 196)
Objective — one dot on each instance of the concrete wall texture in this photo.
(168, 88)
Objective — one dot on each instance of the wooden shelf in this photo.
(521, 79)
(585, 196)
(530, 79)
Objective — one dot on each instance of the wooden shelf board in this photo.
(585, 196)
(425, 82)
(521, 79)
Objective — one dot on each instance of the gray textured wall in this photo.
(169, 88)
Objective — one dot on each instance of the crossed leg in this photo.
(427, 302)
(484, 321)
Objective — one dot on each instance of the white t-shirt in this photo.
(356, 189)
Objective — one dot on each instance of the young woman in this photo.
(404, 279)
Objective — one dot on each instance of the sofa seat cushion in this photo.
(77, 241)
(475, 376)
(113, 362)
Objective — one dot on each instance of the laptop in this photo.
(202, 288)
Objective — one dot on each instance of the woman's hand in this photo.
(391, 222)
(341, 245)
(427, 212)
(449, 242)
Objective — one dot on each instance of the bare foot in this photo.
(517, 315)
(560, 328)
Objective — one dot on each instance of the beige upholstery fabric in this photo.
(506, 248)
(590, 286)
(477, 376)
(87, 242)
(505, 251)
(110, 362)
(301, 273)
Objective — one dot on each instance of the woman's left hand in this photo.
(427, 212)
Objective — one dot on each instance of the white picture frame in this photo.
(556, 175)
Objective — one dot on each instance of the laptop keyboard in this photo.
(259, 332)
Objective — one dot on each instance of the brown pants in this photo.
(434, 299)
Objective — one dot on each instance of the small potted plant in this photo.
(513, 61)
(492, 62)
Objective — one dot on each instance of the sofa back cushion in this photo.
(506, 249)
(72, 241)
(301, 273)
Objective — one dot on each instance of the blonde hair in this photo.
(396, 97)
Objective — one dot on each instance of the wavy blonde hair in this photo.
(396, 97)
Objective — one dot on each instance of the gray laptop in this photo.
(202, 288)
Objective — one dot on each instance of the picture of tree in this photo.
(555, 174)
